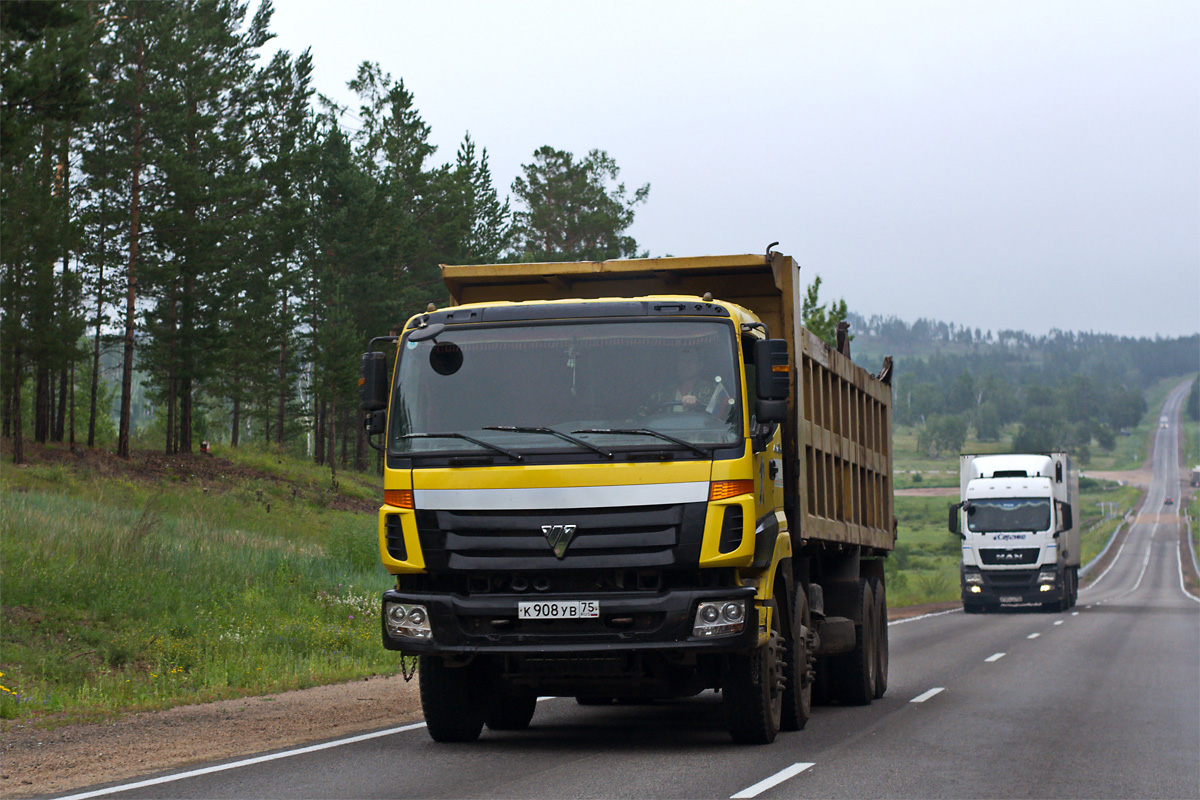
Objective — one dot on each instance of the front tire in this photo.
(753, 691)
(798, 673)
(510, 712)
(452, 698)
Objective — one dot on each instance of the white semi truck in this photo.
(1016, 517)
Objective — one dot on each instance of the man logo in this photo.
(558, 536)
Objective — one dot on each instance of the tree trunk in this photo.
(91, 440)
(281, 405)
(41, 404)
(345, 426)
(319, 453)
(332, 437)
(131, 294)
(237, 422)
(18, 427)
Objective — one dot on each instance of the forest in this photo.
(1065, 391)
(181, 202)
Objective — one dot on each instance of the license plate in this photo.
(1010, 599)
(559, 609)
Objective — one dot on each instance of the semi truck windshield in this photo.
(1006, 515)
(597, 382)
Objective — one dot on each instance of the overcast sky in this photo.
(1024, 164)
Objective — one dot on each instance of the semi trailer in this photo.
(631, 480)
(1020, 543)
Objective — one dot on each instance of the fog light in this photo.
(407, 621)
(1045, 587)
(976, 589)
(720, 618)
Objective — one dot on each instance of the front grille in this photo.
(660, 537)
(1015, 580)
(996, 556)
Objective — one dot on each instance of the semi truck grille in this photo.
(562, 539)
(1014, 581)
(997, 556)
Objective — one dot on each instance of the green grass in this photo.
(914, 469)
(1098, 522)
(121, 596)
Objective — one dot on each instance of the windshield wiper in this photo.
(465, 438)
(647, 432)
(551, 432)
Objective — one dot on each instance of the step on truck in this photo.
(631, 480)
(1020, 544)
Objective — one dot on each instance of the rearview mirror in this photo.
(953, 522)
(373, 382)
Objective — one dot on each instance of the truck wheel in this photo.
(798, 672)
(753, 691)
(510, 712)
(1074, 586)
(881, 637)
(453, 699)
(855, 671)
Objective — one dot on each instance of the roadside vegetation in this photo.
(126, 592)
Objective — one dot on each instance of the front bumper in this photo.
(628, 621)
(1010, 587)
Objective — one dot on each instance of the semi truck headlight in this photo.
(1046, 578)
(719, 618)
(973, 579)
(407, 621)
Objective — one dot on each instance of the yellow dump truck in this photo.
(631, 479)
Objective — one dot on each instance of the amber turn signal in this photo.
(722, 490)
(400, 498)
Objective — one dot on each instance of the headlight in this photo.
(1048, 578)
(973, 579)
(720, 618)
(407, 621)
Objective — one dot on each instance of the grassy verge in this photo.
(1098, 517)
(123, 595)
(914, 469)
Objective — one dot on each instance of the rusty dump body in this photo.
(837, 453)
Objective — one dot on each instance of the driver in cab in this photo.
(692, 390)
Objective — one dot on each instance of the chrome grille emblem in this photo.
(558, 537)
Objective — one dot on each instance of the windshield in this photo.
(613, 385)
(1007, 515)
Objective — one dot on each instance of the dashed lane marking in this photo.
(1058, 622)
(774, 780)
(921, 698)
(1033, 636)
(995, 656)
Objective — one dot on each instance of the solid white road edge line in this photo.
(244, 763)
(1186, 593)
(774, 780)
(995, 656)
(925, 616)
(921, 698)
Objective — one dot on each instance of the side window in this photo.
(751, 394)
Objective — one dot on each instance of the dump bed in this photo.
(837, 439)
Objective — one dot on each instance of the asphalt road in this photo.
(1101, 701)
